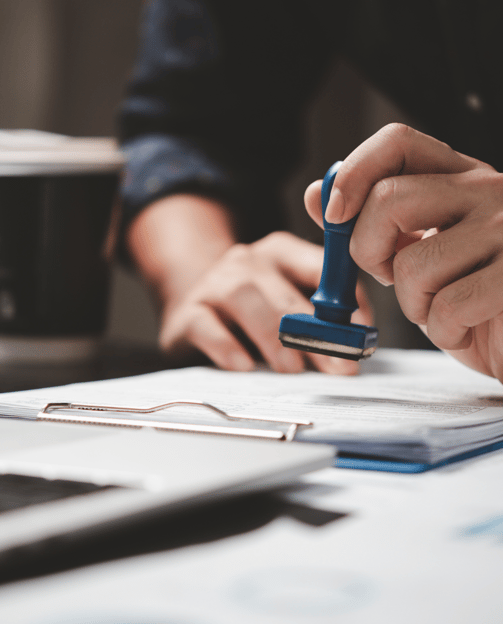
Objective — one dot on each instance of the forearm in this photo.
(195, 119)
(175, 240)
(217, 297)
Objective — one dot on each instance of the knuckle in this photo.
(241, 297)
(271, 242)
(385, 192)
(447, 304)
(237, 266)
(495, 204)
(280, 236)
(443, 308)
(238, 253)
(417, 262)
(495, 225)
(244, 290)
(233, 268)
(398, 131)
(240, 274)
(485, 183)
(406, 266)
(478, 166)
(239, 287)
(466, 290)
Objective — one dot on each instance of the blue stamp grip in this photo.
(335, 299)
(330, 330)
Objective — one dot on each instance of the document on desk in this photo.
(412, 406)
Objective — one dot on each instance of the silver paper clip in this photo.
(47, 413)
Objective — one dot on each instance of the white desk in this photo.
(413, 548)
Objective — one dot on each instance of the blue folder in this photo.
(390, 465)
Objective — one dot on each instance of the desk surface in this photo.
(241, 515)
(353, 547)
(344, 546)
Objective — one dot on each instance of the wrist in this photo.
(175, 240)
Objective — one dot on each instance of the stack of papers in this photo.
(410, 406)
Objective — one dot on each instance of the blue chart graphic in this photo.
(492, 527)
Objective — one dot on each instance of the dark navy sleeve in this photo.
(215, 104)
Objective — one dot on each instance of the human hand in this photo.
(235, 308)
(431, 223)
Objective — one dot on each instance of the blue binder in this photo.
(363, 463)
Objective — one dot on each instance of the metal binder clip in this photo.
(47, 413)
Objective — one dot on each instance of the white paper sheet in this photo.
(401, 397)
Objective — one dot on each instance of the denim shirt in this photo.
(217, 97)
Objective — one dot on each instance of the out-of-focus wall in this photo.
(63, 67)
(28, 55)
(63, 63)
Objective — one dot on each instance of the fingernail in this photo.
(383, 281)
(335, 208)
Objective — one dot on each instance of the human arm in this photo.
(207, 154)
(214, 106)
(223, 298)
(431, 223)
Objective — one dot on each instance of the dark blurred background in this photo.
(64, 65)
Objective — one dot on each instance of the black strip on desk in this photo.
(18, 491)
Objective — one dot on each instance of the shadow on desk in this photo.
(118, 359)
(206, 523)
(160, 531)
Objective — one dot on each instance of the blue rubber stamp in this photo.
(330, 330)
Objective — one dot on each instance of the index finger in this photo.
(396, 149)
